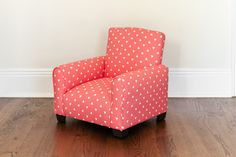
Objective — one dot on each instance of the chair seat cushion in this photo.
(90, 101)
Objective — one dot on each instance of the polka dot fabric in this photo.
(130, 49)
(90, 101)
(127, 86)
(138, 96)
(67, 76)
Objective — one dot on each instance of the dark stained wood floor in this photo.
(193, 128)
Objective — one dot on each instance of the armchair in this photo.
(127, 86)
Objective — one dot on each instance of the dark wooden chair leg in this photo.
(161, 117)
(120, 134)
(61, 119)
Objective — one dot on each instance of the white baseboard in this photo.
(26, 83)
(182, 83)
(200, 83)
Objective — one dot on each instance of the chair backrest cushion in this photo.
(130, 49)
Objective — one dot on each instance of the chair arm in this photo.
(67, 76)
(139, 95)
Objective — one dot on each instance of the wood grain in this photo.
(193, 127)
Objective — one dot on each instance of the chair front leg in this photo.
(120, 134)
(61, 119)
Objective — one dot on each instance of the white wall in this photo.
(233, 44)
(40, 34)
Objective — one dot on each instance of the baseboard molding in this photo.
(182, 83)
(200, 83)
(26, 83)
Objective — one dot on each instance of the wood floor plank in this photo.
(203, 127)
(14, 124)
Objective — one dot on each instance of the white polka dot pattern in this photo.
(138, 96)
(67, 76)
(90, 101)
(130, 49)
(127, 86)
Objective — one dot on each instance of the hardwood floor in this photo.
(193, 128)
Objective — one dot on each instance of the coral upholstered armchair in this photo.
(125, 87)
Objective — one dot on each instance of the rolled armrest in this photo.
(67, 76)
(138, 96)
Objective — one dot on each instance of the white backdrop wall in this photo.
(35, 36)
